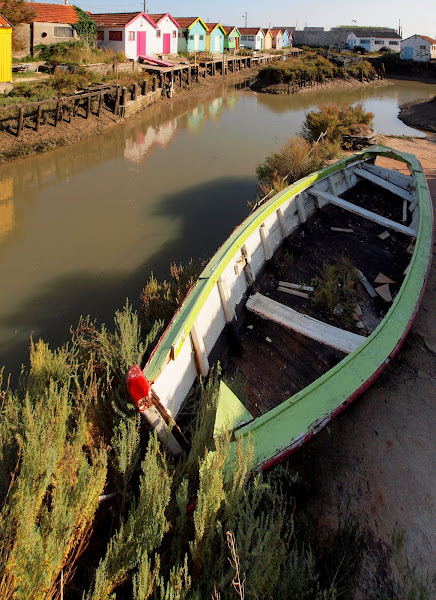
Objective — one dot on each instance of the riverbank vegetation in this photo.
(313, 67)
(93, 507)
(322, 136)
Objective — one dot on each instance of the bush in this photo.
(337, 121)
(359, 50)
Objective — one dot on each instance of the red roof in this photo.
(186, 21)
(229, 28)
(118, 19)
(249, 30)
(4, 22)
(427, 39)
(54, 13)
(276, 31)
(212, 26)
(157, 18)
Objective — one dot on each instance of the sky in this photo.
(415, 17)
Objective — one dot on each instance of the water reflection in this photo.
(7, 213)
(142, 144)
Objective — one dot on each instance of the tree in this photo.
(17, 12)
(86, 27)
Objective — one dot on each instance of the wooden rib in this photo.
(300, 208)
(293, 292)
(268, 253)
(226, 302)
(201, 360)
(345, 341)
(296, 286)
(398, 191)
(282, 223)
(362, 212)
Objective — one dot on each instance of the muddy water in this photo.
(82, 227)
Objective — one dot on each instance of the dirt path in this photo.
(378, 459)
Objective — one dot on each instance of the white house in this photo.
(132, 33)
(373, 40)
(419, 48)
(277, 38)
(252, 37)
(166, 34)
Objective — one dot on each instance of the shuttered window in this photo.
(63, 32)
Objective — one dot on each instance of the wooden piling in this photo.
(135, 91)
(38, 117)
(20, 120)
(58, 105)
(144, 88)
(117, 101)
(100, 99)
(88, 106)
(123, 96)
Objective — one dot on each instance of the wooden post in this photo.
(117, 101)
(88, 106)
(180, 77)
(100, 99)
(58, 105)
(189, 76)
(124, 96)
(198, 72)
(144, 88)
(135, 91)
(38, 117)
(154, 84)
(20, 120)
(161, 80)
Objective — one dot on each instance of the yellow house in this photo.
(5, 50)
(268, 43)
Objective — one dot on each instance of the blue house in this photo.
(287, 36)
(215, 38)
(192, 34)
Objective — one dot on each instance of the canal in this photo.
(82, 227)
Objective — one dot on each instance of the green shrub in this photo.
(336, 121)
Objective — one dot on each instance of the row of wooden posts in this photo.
(117, 96)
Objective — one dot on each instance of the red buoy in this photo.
(138, 387)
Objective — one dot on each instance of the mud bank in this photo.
(285, 88)
(377, 461)
(420, 114)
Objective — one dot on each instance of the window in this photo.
(131, 36)
(251, 38)
(393, 43)
(100, 35)
(365, 41)
(63, 32)
(422, 47)
(201, 37)
(115, 36)
(181, 34)
(174, 33)
(191, 37)
(244, 38)
(379, 42)
(231, 39)
(158, 32)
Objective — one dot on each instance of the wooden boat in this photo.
(299, 370)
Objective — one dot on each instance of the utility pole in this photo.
(145, 6)
(245, 17)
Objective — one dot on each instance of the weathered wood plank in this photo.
(406, 182)
(366, 214)
(266, 308)
(398, 191)
(201, 360)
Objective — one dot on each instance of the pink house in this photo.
(167, 32)
(137, 34)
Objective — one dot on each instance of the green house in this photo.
(192, 34)
(232, 38)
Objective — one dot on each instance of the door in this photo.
(196, 42)
(237, 43)
(141, 48)
(217, 43)
(167, 43)
(408, 52)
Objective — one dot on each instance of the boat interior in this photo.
(286, 339)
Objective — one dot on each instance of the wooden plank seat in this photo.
(342, 340)
(395, 189)
(363, 212)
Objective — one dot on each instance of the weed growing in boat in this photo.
(335, 290)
